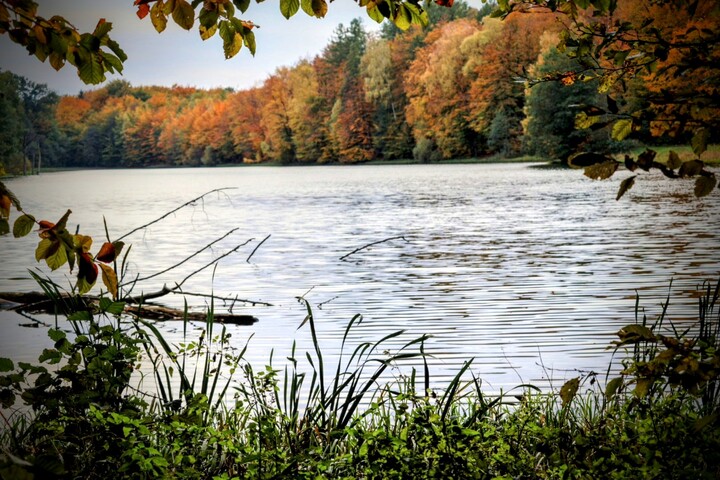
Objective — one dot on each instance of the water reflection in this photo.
(529, 271)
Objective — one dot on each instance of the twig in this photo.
(173, 211)
(320, 305)
(371, 244)
(255, 249)
(182, 261)
(225, 299)
(165, 290)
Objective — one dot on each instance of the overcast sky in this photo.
(180, 57)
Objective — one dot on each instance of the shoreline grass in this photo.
(659, 419)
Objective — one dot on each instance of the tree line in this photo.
(468, 85)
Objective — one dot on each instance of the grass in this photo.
(308, 419)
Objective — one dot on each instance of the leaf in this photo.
(249, 40)
(642, 387)
(6, 365)
(206, 33)
(646, 158)
(109, 278)
(374, 12)
(23, 225)
(673, 160)
(242, 5)
(288, 8)
(57, 259)
(87, 270)
(4, 226)
(625, 185)
(157, 17)
(83, 243)
(583, 120)
(612, 387)
(705, 421)
(700, 140)
(184, 14)
(585, 159)
(91, 70)
(622, 129)
(107, 253)
(403, 17)
(568, 391)
(233, 46)
(56, 335)
(704, 185)
(691, 168)
(635, 333)
(601, 171)
(320, 7)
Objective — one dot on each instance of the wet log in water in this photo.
(38, 302)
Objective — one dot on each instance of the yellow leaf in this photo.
(83, 242)
(622, 129)
(110, 280)
(157, 17)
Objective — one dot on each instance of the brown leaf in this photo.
(568, 391)
(625, 185)
(704, 185)
(691, 168)
(602, 171)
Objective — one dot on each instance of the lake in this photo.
(530, 271)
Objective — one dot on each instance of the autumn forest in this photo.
(467, 86)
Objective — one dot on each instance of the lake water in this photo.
(531, 271)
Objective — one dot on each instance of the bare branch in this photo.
(255, 249)
(373, 243)
(183, 260)
(175, 210)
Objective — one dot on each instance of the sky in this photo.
(180, 57)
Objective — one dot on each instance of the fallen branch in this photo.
(255, 249)
(373, 243)
(174, 210)
(156, 312)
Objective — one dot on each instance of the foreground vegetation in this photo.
(212, 415)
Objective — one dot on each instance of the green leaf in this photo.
(249, 40)
(56, 334)
(50, 355)
(601, 171)
(113, 61)
(81, 316)
(625, 185)
(184, 14)
(403, 17)
(91, 70)
(704, 185)
(4, 226)
(6, 365)
(700, 140)
(57, 259)
(612, 387)
(288, 8)
(242, 5)
(622, 129)
(673, 160)
(642, 387)
(232, 46)
(568, 391)
(375, 13)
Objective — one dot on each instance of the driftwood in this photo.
(38, 302)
